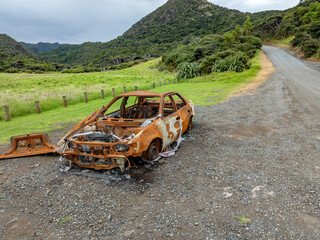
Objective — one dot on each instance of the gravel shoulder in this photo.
(248, 170)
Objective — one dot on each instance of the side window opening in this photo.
(180, 103)
(168, 106)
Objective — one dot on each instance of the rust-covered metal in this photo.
(29, 145)
(141, 124)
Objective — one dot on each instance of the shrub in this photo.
(310, 47)
(179, 55)
(299, 38)
(28, 71)
(79, 69)
(12, 70)
(188, 70)
(314, 29)
(38, 71)
(234, 64)
(255, 41)
(206, 65)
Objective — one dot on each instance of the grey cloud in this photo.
(77, 21)
(256, 5)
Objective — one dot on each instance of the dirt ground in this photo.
(249, 169)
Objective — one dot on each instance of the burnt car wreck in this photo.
(135, 124)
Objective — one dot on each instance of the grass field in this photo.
(19, 91)
(203, 91)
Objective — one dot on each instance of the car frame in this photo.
(106, 140)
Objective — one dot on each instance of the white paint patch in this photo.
(192, 106)
(270, 193)
(255, 189)
(170, 136)
(227, 193)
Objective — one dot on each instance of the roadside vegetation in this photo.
(215, 53)
(298, 27)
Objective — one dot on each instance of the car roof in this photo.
(144, 93)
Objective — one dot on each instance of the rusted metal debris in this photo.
(29, 145)
(133, 124)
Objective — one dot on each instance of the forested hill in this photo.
(14, 57)
(42, 47)
(176, 22)
(11, 48)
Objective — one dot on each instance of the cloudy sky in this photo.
(78, 21)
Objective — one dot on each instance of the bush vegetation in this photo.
(301, 22)
(214, 53)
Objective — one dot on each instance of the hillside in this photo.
(14, 57)
(297, 27)
(11, 48)
(42, 47)
(176, 22)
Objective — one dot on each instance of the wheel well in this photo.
(161, 143)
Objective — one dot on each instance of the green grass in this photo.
(64, 220)
(284, 41)
(19, 91)
(243, 220)
(203, 91)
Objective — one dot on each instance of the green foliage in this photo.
(248, 26)
(188, 70)
(14, 58)
(41, 47)
(314, 29)
(64, 220)
(12, 70)
(232, 64)
(310, 47)
(243, 220)
(302, 21)
(229, 52)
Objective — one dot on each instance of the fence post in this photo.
(7, 115)
(164, 82)
(154, 85)
(85, 97)
(172, 81)
(64, 100)
(168, 82)
(113, 92)
(38, 109)
(102, 94)
(136, 88)
(176, 80)
(124, 89)
(159, 84)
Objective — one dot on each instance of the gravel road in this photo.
(249, 169)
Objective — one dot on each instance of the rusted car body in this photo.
(29, 145)
(133, 124)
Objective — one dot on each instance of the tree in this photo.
(237, 33)
(247, 26)
(228, 38)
